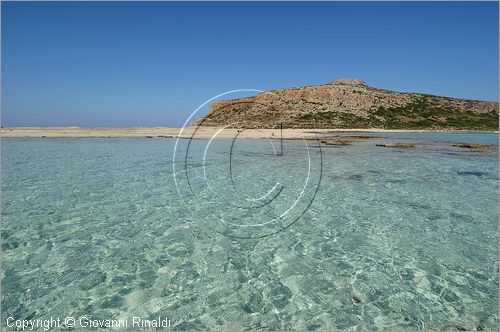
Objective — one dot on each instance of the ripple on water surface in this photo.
(394, 239)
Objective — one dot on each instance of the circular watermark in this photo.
(239, 178)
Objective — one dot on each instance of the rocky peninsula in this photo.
(350, 103)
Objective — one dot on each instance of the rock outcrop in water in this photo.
(350, 103)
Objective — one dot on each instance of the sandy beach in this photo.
(199, 132)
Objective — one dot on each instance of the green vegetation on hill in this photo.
(423, 114)
(420, 114)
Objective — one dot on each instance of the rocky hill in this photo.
(349, 103)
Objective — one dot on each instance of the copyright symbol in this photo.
(69, 322)
(245, 188)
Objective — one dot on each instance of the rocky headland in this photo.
(351, 104)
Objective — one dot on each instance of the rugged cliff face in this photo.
(350, 103)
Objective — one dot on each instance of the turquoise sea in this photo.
(243, 238)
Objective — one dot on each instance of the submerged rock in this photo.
(473, 173)
(473, 146)
(356, 300)
(336, 142)
(397, 145)
(362, 137)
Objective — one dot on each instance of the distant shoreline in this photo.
(201, 132)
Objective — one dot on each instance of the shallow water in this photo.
(356, 237)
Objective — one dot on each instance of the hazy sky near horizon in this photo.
(119, 64)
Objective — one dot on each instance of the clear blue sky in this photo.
(152, 64)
